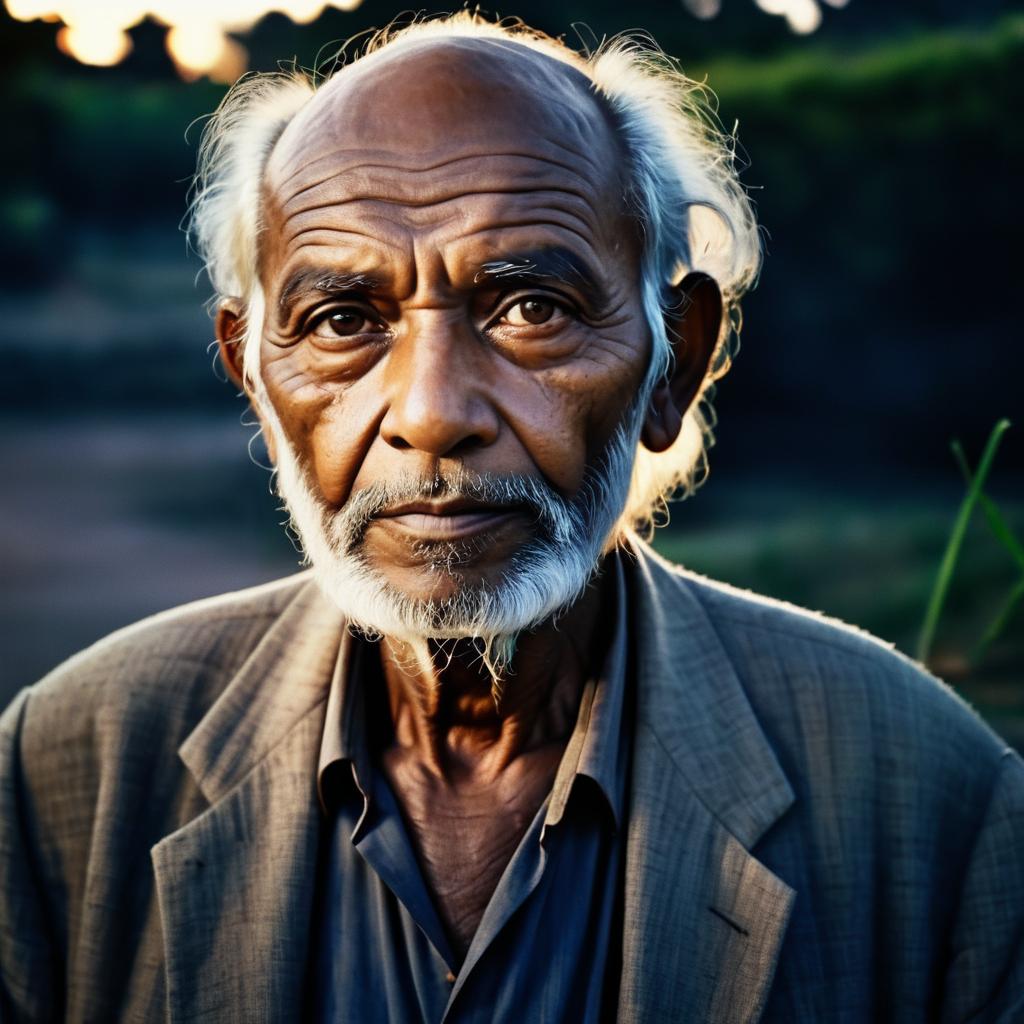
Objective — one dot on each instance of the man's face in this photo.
(452, 290)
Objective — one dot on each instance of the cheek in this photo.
(336, 451)
(557, 442)
(330, 425)
(568, 418)
(292, 389)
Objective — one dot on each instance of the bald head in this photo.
(427, 99)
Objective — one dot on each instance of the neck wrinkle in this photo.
(443, 711)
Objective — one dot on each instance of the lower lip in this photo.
(425, 526)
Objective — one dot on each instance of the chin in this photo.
(437, 584)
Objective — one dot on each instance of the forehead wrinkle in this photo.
(335, 240)
(578, 198)
(333, 230)
(588, 237)
(367, 170)
(553, 111)
(494, 208)
(532, 222)
(354, 232)
(569, 112)
(388, 159)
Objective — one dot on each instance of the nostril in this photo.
(463, 446)
(466, 445)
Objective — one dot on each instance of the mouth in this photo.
(447, 520)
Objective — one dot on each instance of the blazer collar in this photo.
(691, 698)
(286, 676)
(704, 920)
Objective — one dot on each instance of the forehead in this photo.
(484, 129)
(418, 99)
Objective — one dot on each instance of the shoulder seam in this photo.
(881, 646)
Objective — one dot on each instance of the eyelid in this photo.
(511, 299)
(313, 320)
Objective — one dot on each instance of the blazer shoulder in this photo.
(169, 666)
(801, 668)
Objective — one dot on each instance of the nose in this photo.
(438, 402)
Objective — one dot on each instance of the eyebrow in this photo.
(540, 266)
(322, 282)
(547, 265)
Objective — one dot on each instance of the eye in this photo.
(532, 311)
(345, 322)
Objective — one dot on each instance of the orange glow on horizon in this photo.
(99, 45)
(198, 31)
(803, 16)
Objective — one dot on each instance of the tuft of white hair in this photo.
(684, 191)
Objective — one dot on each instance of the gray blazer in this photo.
(818, 830)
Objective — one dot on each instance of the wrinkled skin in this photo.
(388, 349)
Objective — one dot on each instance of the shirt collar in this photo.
(344, 737)
(596, 748)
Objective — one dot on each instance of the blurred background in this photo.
(883, 145)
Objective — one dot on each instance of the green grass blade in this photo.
(956, 539)
(996, 522)
(999, 623)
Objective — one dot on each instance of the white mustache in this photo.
(554, 515)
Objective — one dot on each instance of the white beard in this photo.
(544, 577)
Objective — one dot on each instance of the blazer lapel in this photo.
(704, 919)
(235, 885)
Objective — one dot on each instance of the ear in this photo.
(229, 325)
(692, 322)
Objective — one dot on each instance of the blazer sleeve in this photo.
(29, 969)
(985, 979)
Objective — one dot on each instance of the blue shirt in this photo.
(546, 949)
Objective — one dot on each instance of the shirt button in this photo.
(450, 978)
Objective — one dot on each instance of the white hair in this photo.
(683, 189)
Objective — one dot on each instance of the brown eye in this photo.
(531, 312)
(352, 324)
(346, 322)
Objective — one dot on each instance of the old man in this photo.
(491, 759)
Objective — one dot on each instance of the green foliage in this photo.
(875, 162)
(974, 499)
(104, 151)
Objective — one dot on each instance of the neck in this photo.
(461, 724)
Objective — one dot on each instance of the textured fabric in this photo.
(816, 829)
(541, 950)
